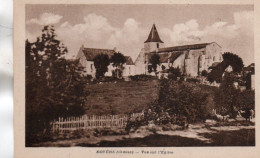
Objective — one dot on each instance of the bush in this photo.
(193, 80)
(178, 103)
(142, 78)
(204, 73)
(174, 73)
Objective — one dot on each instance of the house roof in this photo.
(129, 60)
(182, 48)
(153, 36)
(90, 53)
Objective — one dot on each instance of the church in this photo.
(191, 59)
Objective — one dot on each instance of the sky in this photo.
(126, 27)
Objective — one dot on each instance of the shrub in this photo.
(174, 73)
(142, 77)
(204, 73)
(178, 103)
(193, 80)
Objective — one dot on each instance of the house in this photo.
(191, 59)
(249, 74)
(86, 58)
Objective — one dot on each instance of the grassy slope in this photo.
(128, 97)
(121, 97)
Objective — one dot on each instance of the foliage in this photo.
(174, 73)
(228, 59)
(118, 60)
(216, 73)
(234, 60)
(246, 102)
(141, 77)
(226, 97)
(101, 63)
(193, 80)
(178, 103)
(54, 85)
(155, 60)
(204, 73)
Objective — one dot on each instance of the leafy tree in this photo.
(228, 59)
(234, 60)
(155, 60)
(226, 97)
(54, 85)
(101, 63)
(118, 61)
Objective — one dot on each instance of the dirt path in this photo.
(197, 133)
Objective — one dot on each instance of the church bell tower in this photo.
(153, 41)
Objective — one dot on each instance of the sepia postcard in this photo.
(136, 78)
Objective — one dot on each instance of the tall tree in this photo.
(228, 59)
(234, 60)
(54, 85)
(155, 60)
(226, 96)
(118, 61)
(101, 63)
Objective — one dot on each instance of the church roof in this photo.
(164, 57)
(182, 48)
(90, 53)
(153, 36)
(129, 60)
(174, 56)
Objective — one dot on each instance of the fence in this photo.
(92, 121)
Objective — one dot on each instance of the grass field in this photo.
(120, 97)
(129, 97)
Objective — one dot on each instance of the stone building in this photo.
(86, 58)
(191, 59)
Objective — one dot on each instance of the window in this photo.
(91, 67)
(157, 44)
(214, 58)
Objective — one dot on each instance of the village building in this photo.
(249, 73)
(191, 59)
(86, 58)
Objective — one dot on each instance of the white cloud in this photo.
(46, 19)
(236, 37)
(97, 32)
(94, 31)
(129, 38)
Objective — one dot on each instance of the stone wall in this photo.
(140, 63)
(151, 46)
